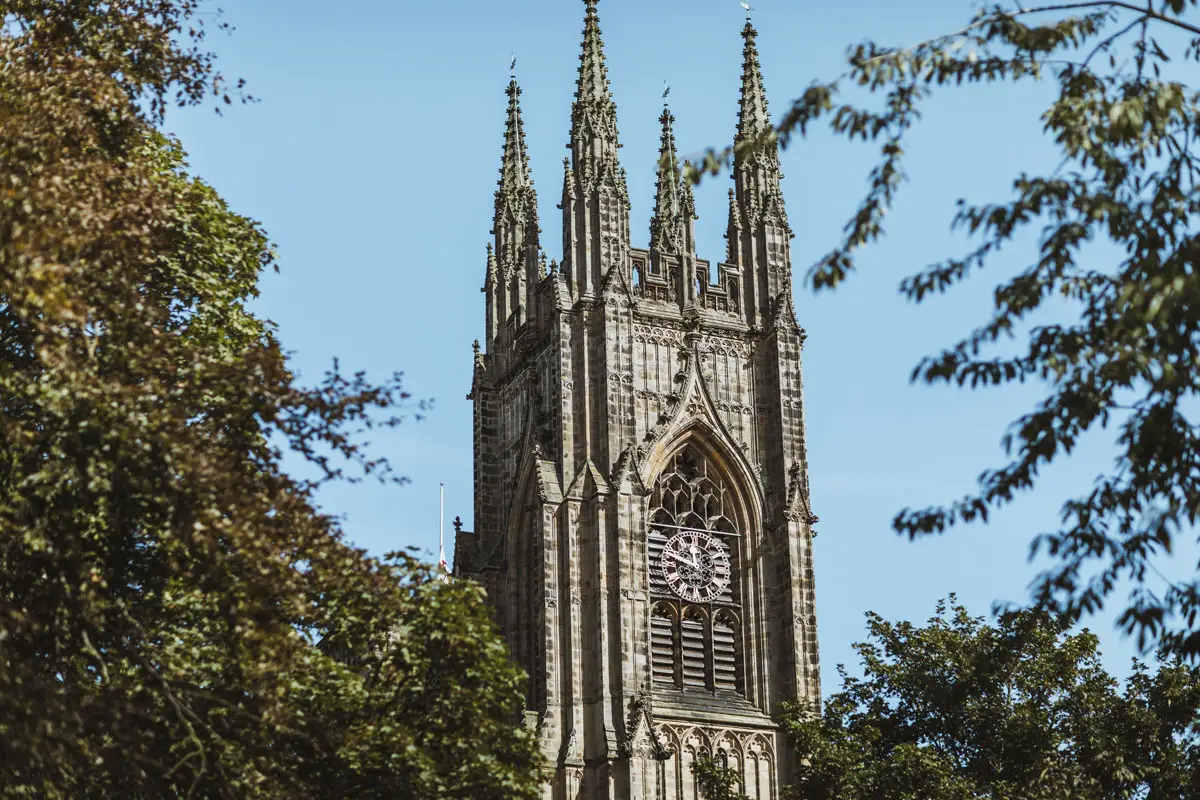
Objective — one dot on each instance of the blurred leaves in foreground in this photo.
(163, 580)
(1105, 315)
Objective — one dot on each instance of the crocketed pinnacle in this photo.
(687, 211)
(592, 85)
(666, 234)
(594, 114)
(515, 182)
(757, 172)
(687, 194)
(753, 118)
(733, 229)
(493, 273)
(516, 222)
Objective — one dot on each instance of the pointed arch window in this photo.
(694, 553)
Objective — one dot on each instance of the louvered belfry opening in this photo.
(662, 644)
(695, 647)
(692, 647)
(725, 653)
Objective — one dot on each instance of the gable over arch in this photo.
(694, 420)
(729, 462)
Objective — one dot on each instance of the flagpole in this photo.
(442, 529)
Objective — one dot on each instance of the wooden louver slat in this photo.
(692, 641)
(655, 543)
(725, 671)
(662, 647)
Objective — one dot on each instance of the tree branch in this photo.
(94, 653)
(1144, 11)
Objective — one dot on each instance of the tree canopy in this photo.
(1116, 338)
(960, 709)
(163, 579)
(715, 781)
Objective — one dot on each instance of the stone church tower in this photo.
(642, 520)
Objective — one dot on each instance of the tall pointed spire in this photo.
(666, 234)
(596, 236)
(594, 142)
(515, 225)
(514, 164)
(753, 117)
(758, 174)
(758, 233)
(515, 197)
(593, 72)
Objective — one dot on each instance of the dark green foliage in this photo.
(715, 782)
(1118, 338)
(163, 581)
(961, 709)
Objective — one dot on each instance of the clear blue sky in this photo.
(372, 157)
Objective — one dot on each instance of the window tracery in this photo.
(695, 646)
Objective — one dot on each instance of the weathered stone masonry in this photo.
(621, 398)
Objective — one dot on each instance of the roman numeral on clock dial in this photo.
(695, 566)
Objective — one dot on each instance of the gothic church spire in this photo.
(596, 236)
(593, 72)
(758, 233)
(753, 117)
(515, 225)
(515, 178)
(666, 233)
(594, 142)
(757, 173)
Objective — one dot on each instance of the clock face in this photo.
(695, 566)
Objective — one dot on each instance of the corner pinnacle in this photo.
(753, 117)
(514, 163)
(665, 225)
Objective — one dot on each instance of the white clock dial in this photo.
(695, 566)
